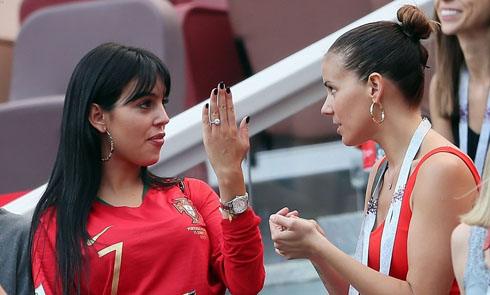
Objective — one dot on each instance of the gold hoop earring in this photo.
(381, 109)
(112, 147)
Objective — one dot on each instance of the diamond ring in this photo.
(215, 122)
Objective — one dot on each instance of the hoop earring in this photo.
(371, 112)
(112, 147)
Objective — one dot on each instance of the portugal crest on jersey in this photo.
(184, 206)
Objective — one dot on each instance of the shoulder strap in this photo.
(444, 149)
(456, 152)
(379, 174)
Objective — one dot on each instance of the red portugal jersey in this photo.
(174, 243)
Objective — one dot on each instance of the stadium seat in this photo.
(29, 6)
(210, 49)
(30, 137)
(53, 40)
(210, 52)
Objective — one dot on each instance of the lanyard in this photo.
(391, 222)
(481, 150)
(486, 246)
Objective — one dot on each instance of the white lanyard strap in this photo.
(488, 284)
(392, 218)
(481, 150)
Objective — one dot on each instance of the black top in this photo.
(473, 137)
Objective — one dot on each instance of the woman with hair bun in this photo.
(470, 244)
(374, 77)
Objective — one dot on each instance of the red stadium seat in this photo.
(7, 198)
(210, 49)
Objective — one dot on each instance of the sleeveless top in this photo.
(473, 137)
(399, 263)
(476, 273)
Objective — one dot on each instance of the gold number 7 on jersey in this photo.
(117, 263)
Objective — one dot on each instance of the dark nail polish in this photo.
(247, 119)
(228, 90)
(215, 91)
(207, 105)
(221, 85)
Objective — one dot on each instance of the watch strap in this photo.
(229, 206)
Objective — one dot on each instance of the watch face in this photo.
(240, 205)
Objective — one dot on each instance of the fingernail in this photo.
(215, 91)
(247, 119)
(207, 105)
(228, 90)
(221, 85)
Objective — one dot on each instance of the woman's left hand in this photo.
(225, 144)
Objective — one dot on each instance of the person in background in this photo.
(470, 243)
(15, 275)
(106, 225)
(459, 96)
(374, 78)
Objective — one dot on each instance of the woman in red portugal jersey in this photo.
(106, 225)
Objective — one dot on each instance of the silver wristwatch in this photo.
(238, 205)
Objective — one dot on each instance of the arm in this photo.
(237, 255)
(439, 124)
(436, 208)
(445, 190)
(300, 233)
(459, 252)
(333, 281)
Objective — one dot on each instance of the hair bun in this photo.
(414, 23)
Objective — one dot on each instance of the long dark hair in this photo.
(390, 49)
(449, 59)
(99, 77)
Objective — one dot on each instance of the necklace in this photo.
(391, 222)
(390, 184)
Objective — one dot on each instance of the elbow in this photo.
(250, 284)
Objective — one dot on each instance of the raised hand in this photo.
(225, 144)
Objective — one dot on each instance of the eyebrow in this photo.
(143, 94)
(139, 95)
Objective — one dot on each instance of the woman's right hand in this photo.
(295, 237)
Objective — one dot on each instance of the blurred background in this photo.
(268, 51)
